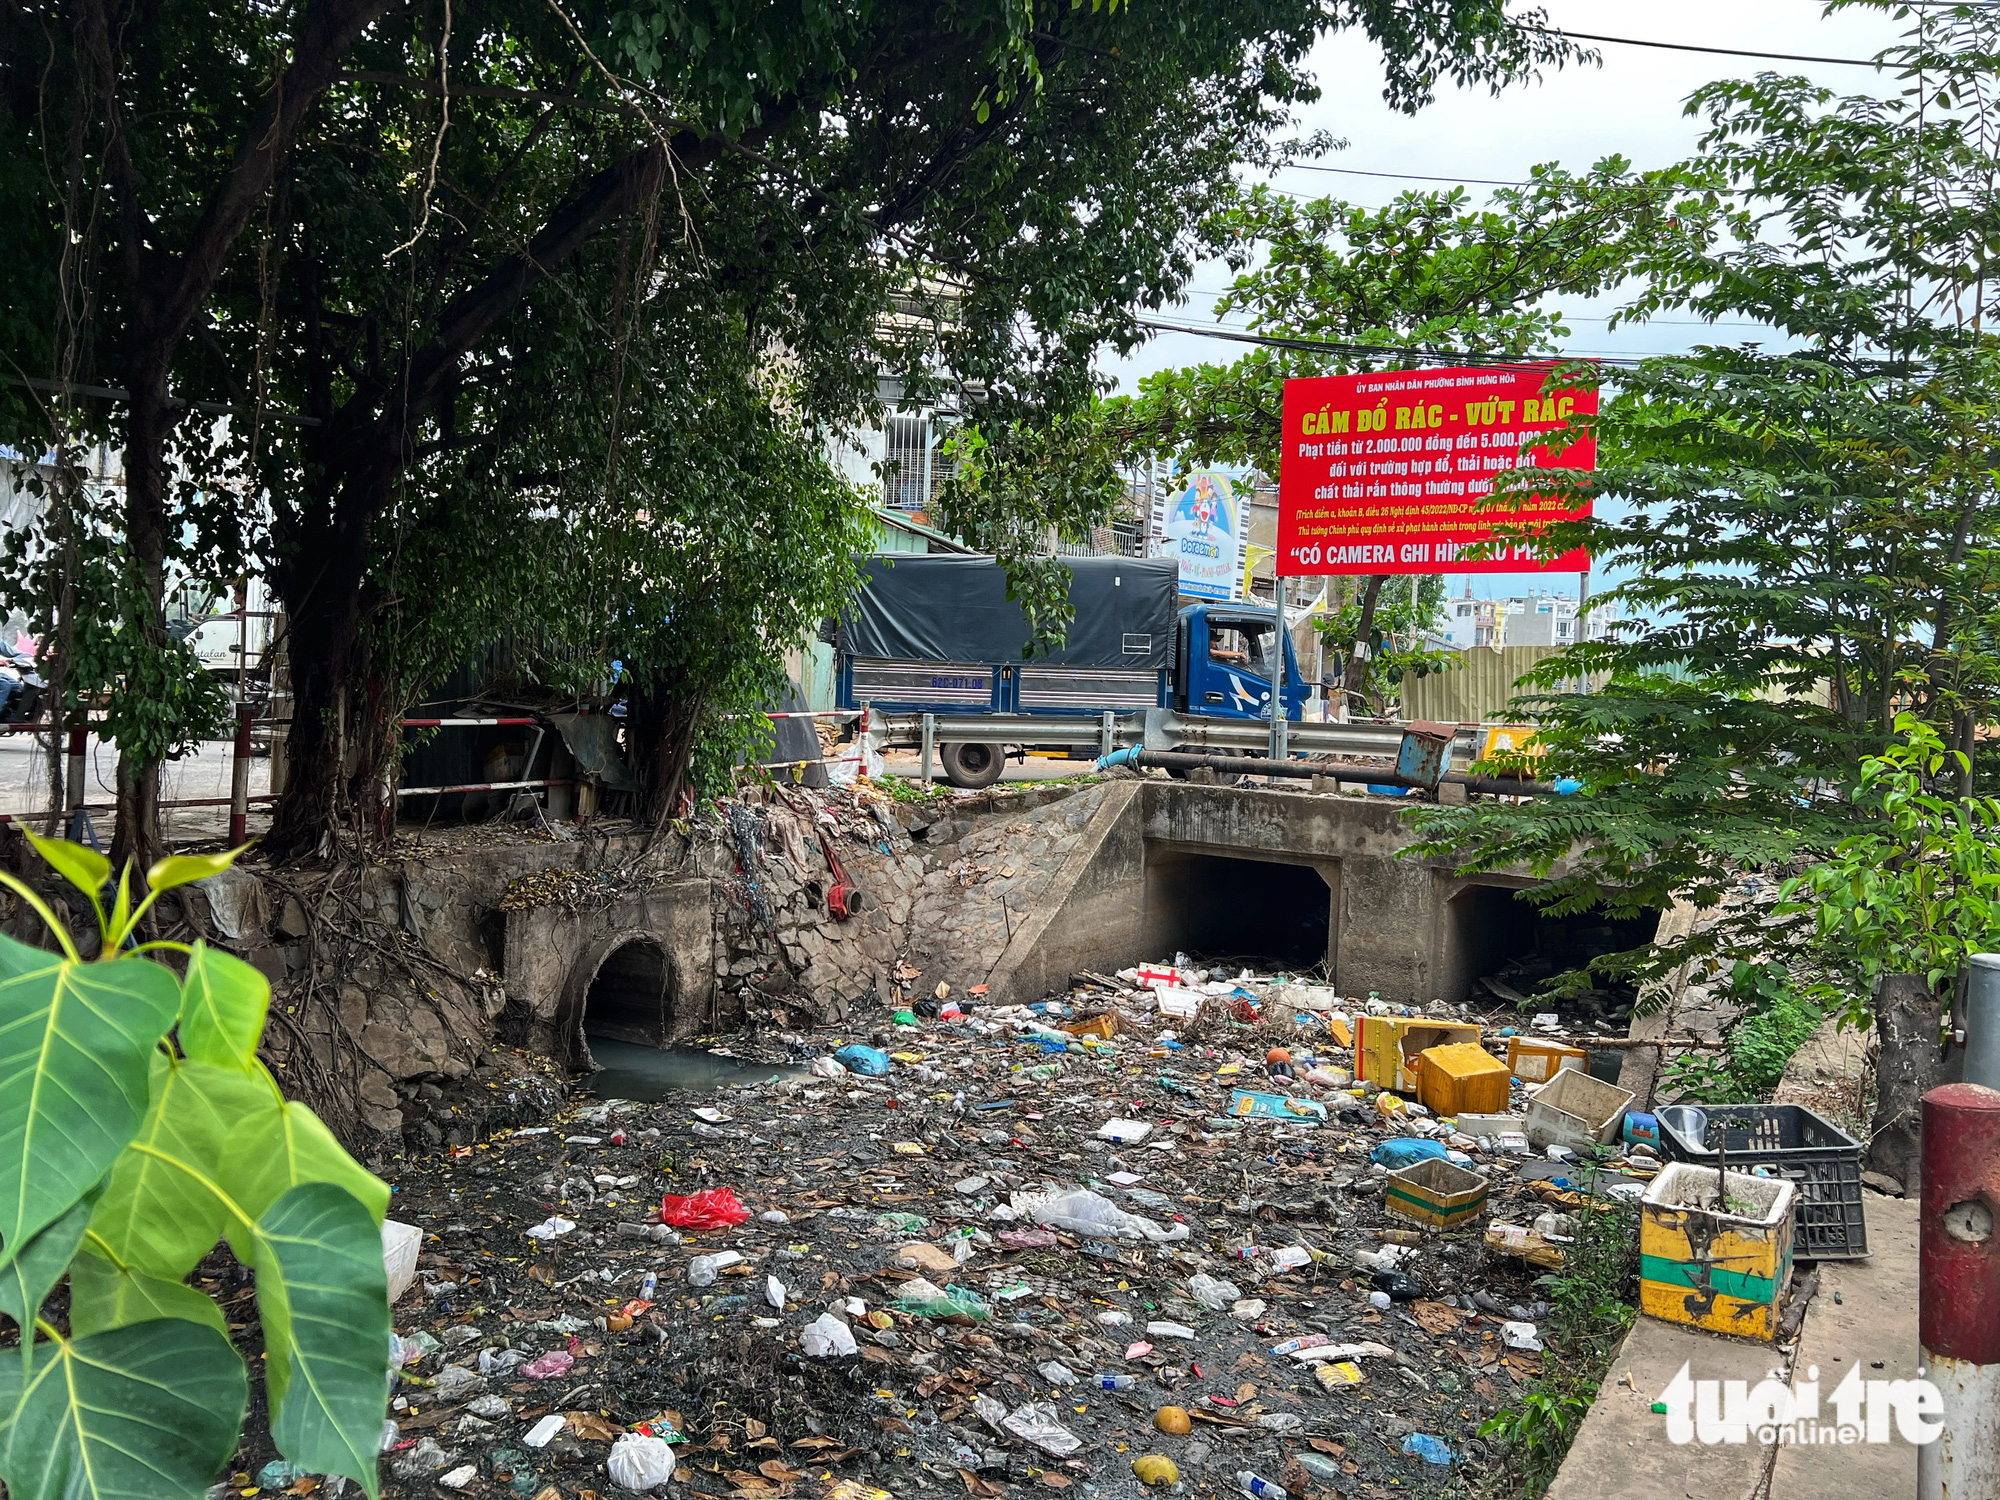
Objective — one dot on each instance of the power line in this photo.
(1300, 166)
(1633, 41)
(1330, 346)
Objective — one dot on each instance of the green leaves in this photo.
(323, 1298)
(223, 1001)
(75, 1041)
(138, 1413)
(104, 1295)
(81, 866)
(180, 869)
(167, 1202)
(124, 1161)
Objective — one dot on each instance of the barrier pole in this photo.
(930, 742)
(1958, 1289)
(239, 777)
(79, 744)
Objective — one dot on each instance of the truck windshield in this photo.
(1243, 645)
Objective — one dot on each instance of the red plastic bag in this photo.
(716, 1208)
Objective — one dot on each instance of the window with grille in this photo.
(913, 468)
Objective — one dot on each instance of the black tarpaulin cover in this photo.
(945, 607)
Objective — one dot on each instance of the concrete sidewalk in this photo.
(1865, 1313)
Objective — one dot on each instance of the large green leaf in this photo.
(147, 1412)
(104, 1296)
(81, 866)
(75, 1042)
(179, 869)
(223, 1001)
(280, 1144)
(26, 1279)
(165, 1206)
(323, 1299)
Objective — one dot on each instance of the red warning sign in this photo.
(1384, 473)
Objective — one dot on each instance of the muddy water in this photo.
(651, 1073)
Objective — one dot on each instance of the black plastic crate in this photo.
(1791, 1142)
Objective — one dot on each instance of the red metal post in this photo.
(239, 777)
(1958, 1289)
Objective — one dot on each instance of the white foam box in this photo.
(1488, 1125)
(399, 1255)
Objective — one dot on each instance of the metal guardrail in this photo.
(1151, 729)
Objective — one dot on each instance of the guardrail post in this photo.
(239, 777)
(1107, 734)
(930, 743)
(79, 745)
(1958, 1289)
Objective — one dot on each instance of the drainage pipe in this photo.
(1304, 770)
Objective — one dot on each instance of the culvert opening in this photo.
(1505, 951)
(631, 996)
(1212, 906)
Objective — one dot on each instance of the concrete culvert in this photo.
(631, 997)
(1252, 909)
(972, 766)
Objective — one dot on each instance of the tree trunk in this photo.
(1909, 1022)
(660, 723)
(1360, 668)
(136, 838)
(320, 578)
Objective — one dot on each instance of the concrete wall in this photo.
(1393, 926)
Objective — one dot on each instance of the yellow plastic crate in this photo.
(1462, 1078)
(1386, 1048)
(1535, 1060)
(1436, 1193)
(1716, 1264)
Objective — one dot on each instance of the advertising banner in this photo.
(1384, 473)
(1203, 527)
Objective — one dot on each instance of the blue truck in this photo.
(937, 634)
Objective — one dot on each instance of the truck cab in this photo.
(1226, 653)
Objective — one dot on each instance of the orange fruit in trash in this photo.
(1278, 1054)
(1173, 1419)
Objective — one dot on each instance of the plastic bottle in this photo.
(1261, 1488)
(648, 1286)
(1105, 1381)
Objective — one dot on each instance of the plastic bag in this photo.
(1430, 1449)
(640, 1463)
(555, 1362)
(1093, 1216)
(1406, 1151)
(551, 1229)
(1211, 1293)
(715, 1208)
(950, 1302)
(870, 1062)
(1036, 1424)
(826, 1337)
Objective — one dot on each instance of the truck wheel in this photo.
(972, 766)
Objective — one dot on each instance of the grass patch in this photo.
(1589, 1318)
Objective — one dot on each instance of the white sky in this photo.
(1630, 104)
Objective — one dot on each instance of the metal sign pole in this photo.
(1582, 598)
(1279, 718)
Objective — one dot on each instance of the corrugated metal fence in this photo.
(1477, 689)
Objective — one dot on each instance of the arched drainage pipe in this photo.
(1304, 770)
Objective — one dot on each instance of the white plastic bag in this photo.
(640, 1463)
(1093, 1216)
(1211, 1293)
(826, 1337)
